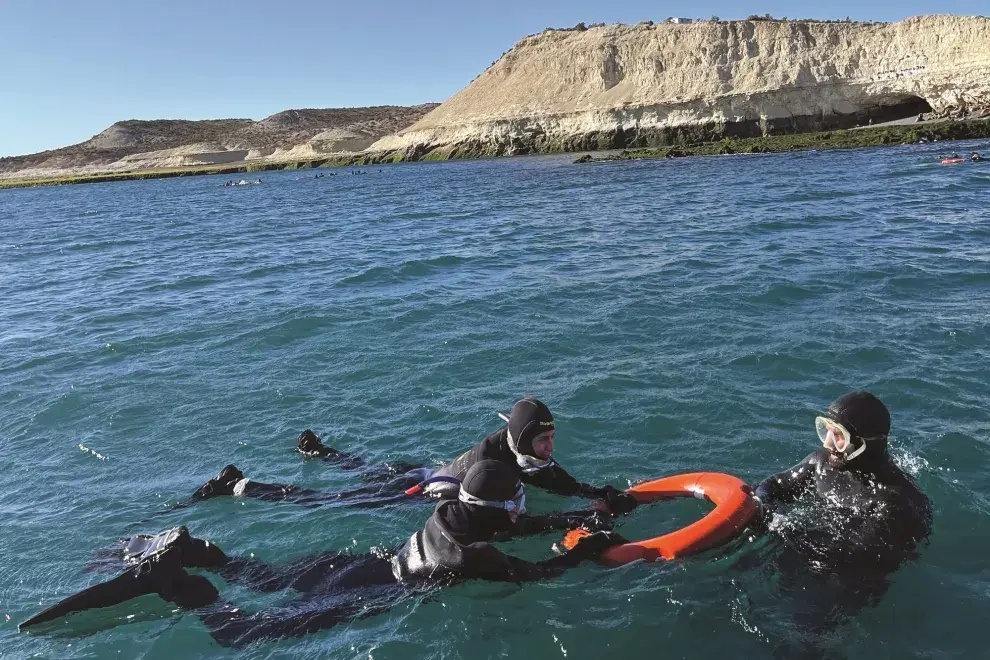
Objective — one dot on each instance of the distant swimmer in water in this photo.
(856, 516)
(334, 587)
(526, 444)
(977, 158)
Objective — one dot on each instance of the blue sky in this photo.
(73, 67)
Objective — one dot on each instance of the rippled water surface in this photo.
(676, 315)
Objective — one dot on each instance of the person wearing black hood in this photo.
(335, 587)
(853, 466)
(526, 443)
(860, 516)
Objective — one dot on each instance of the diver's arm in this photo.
(341, 459)
(786, 486)
(309, 444)
(526, 524)
(492, 564)
(556, 480)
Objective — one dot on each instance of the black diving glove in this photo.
(619, 502)
(592, 545)
(764, 502)
(596, 522)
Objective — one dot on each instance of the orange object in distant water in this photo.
(735, 507)
(953, 161)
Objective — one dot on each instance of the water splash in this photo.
(87, 450)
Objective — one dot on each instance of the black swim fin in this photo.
(159, 572)
(122, 588)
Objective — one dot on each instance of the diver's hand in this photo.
(764, 510)
(592, 545)
(619, 502)
(597, 522)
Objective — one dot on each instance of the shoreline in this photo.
(168, 173)
(853, 138)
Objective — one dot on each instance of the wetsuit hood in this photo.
(491, 480)
(529, 418)
(867, 419)
(467, 524)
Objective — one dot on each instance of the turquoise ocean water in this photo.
(676, 316)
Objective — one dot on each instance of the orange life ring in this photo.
(735, 507)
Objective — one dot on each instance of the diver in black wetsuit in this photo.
(385, 484)
(335, 587)
(861, 518)
(854, 470)
(526, 444)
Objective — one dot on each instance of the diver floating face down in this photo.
(494, 485)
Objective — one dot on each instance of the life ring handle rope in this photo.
(735, 507)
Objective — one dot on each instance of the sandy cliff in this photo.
(647, 85)
(167, 143)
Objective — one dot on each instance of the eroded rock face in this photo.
(166, 143)
(649, 85)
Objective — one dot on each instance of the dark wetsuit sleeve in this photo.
(342, 460)
(556, 480)
(526, 525)
(490, 563)
(786, 486)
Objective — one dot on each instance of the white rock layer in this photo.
(736, 76)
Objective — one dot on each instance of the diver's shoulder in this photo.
(495, 445)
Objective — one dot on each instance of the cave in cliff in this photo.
(909, 106)
(884, 109)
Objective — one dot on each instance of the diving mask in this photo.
(837, 439)
(516, 505)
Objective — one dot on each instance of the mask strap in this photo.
(468, 498)
(859, 450)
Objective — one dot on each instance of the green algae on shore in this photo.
(839, 139)
(873, 136)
